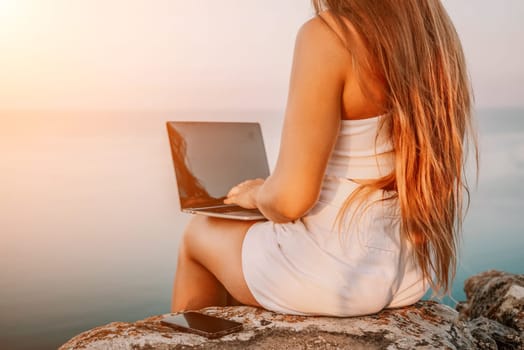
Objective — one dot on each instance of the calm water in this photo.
(90, 225)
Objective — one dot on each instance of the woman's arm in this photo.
(310, 129)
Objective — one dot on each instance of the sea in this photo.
(90, 222)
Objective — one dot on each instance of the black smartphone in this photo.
(207, 326)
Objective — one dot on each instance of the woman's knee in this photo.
(216, 245)
(197, 236)
(191, 236)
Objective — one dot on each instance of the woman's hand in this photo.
(245, 194)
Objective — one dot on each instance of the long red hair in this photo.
(413, 47)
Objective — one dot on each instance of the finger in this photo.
(233, 191)
(230, 200)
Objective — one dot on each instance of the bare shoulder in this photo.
(338, 27)
(334, 31)
(317, 43)
(315, 27)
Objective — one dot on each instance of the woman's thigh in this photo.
(217, 245)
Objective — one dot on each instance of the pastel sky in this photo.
(204, 54)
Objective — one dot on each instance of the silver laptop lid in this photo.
(212, 157)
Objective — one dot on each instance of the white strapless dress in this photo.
(310, 267)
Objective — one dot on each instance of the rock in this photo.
(495, 295)
(426, 324)
(492, 318)
(494, 310)
(489, 334)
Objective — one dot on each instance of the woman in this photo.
(365, 202)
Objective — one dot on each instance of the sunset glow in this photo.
(165, 54)
(7, 7)
(11, 17)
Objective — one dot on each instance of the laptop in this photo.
(210, 158)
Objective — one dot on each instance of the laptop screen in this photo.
(212, 157)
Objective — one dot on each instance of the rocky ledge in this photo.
(492, 318)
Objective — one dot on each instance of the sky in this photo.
(204, 54)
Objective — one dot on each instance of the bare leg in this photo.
(210, 265)
(195, 287)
